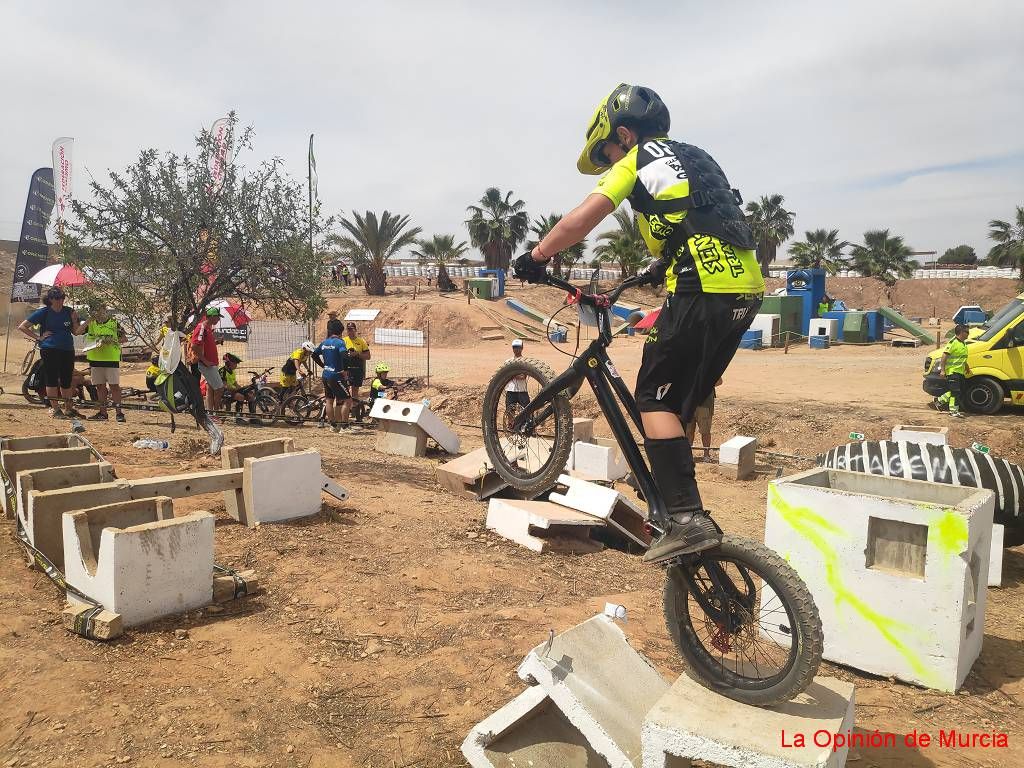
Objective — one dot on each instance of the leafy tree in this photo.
(567, 258)
(497, 225)
(884, 257)
(161, 240)
(962, 254)
(1009, 238)
(821, 249)
(440, 251)
(625, 245)
(370, 242)
(772, 225)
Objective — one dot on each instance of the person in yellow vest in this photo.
(104, 338)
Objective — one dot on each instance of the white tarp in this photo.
(362, 314)
(399, 336)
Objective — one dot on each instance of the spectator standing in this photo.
(334, 275)
(58, 325)
(515, 390)
(331, 354)
(204, 349)
(103, 352)
(702, 418)
(953, 365)
(358, 354)
(346, 275)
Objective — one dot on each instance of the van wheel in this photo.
(983, 395)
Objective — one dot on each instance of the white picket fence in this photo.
(925, 274)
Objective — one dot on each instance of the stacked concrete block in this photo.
(582, 430)
(692, 723)
(44, 531)
(471, 475)
(736, 457)
(617, 510)
(542, 526)
(139, 561)
(404, 428)
(898, 569)
(599, 460)
(917, 433)
(268, 500)
(21, 454)
(823, 326)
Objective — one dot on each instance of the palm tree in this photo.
(567, 258)
(821, 249)
(371, 242)
(497, 226)
(884, 257)
(440, 251)
(1009, 238)
(772, 225)
(624, 245)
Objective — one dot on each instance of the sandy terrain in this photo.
(387, 626)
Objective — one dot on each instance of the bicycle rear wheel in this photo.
(266, 408)
(747, 627)
(529, 459)
(298, 408)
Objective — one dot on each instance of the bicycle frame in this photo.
(596, 368)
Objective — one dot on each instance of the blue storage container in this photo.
(751, 340)
(818, 342)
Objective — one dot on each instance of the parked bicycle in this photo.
(739, 615)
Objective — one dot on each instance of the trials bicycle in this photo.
(739, 615)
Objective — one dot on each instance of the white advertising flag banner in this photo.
(219, 130)
(62, 174)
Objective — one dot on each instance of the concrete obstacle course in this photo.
(609, 505)
(542, 526)
(471, 475)
(736, 457)
(823, 326)
(138, 560)
(405, 427)
(918, 433)
(898, 569)
(600, 459)
(692, 723)
(39, 452)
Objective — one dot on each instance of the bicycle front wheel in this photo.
(744, 622)
(531, 458)
(298, 408)
(266, 407)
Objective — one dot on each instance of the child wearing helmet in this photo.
(232, 392)
(381, 383)
(692, 223)
(296, 360)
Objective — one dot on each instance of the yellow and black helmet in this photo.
(632, 106)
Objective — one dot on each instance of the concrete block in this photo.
(44, 531)
(83, 619)
(416, 413)
(583, 430)
(529, 731)
(770, 327)
(601, 459)
(617, 510)
(736, 457)
(269, 500)
(398, 438)
(692, 723)
(14, 462)
(995, 563)
(228, 587)
(542, 526)
(138, 560)
(916, 433)
(234, 456)
(601, 685)
(823, 326)
(37, 442)
(898, 568)
(471, 475)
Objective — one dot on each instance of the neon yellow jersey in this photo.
(300, 355)
(956, 360)
(106, 334)
(709, 265)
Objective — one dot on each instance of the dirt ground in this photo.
(387, 626)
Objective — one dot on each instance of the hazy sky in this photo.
(865, 115)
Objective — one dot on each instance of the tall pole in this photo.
(310, 180)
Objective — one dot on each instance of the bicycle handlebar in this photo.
(592, 299)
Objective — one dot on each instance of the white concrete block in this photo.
(823, 326)
(915, 433)
(137, 559)
(770, 327)
(995, 563)
(400, 438)
(528, 731)
(15, 461)
(471, 475)
(617, 510)
(601, 685)
(541, 525)
(898, 569)
(738, 450)
(692, 723)
(419, 414)
(601, 460)
(583, 430)
(282, 487)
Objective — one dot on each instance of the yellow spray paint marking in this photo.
(814, 528)
(948, 531)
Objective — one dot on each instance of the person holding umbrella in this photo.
(58, 325)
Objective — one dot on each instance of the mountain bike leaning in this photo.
(740, 616)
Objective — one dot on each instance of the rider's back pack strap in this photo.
(696, 199)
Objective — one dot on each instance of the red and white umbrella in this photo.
(232, 315)
(59, 276)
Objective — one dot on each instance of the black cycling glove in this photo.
(653, 273)
(525, 268)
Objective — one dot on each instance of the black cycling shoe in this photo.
(690, 532)
(99, 416)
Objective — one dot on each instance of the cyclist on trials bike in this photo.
(692, 223)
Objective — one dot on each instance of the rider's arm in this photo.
(574, 226)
